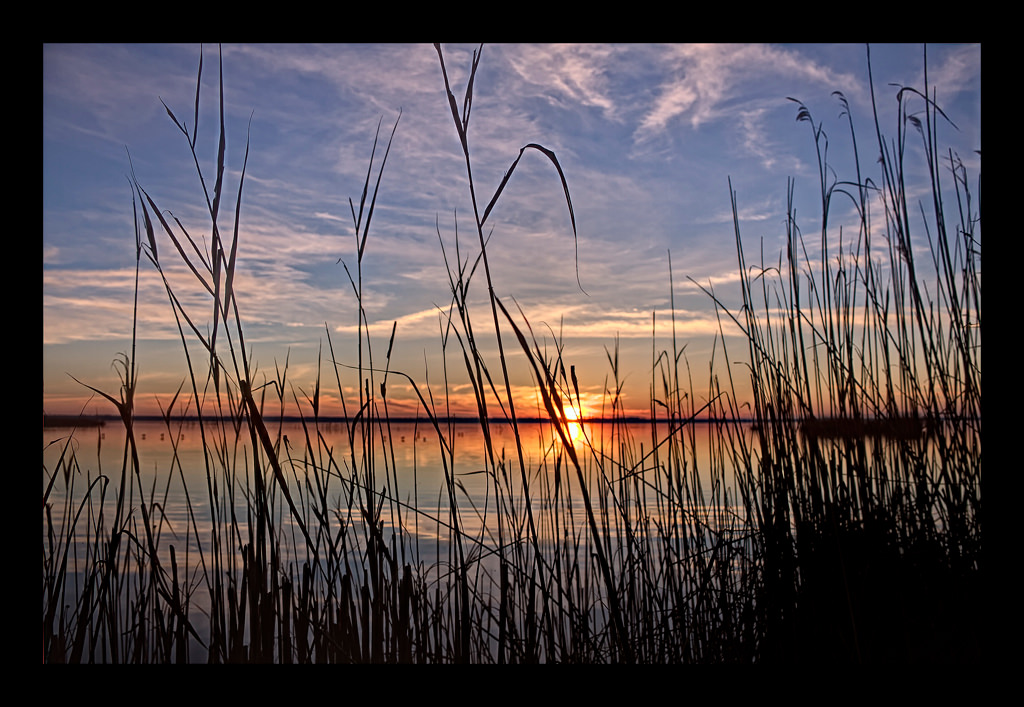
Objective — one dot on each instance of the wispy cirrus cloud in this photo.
(702, 83)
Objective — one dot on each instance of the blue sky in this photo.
(648, 137)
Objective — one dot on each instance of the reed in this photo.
(866, 368)
(794, 541)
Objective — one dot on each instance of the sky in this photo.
(648, 136)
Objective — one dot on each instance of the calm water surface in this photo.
(181, 470)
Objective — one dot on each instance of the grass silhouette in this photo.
(843, 524)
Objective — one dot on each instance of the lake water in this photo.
(182, 467)
(175, 459)
(180, 471)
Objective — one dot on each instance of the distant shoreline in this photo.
(819, 427)
(76, 420)
(99, 420)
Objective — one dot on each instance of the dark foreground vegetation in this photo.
(814, 535)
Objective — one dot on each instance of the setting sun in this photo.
(573, 416)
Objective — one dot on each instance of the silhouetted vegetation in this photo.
(844, 524)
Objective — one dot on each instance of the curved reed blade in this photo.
(565, 189)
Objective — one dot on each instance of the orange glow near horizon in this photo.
(401, 402)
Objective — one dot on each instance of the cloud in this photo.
(567, 74)
(957, 70)
(702, 82)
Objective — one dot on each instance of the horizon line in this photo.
(69, 419)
